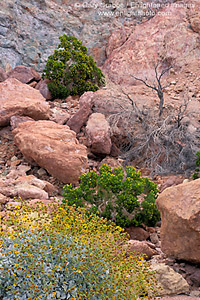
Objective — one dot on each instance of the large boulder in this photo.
(17, 98)
(24, 74)
(54, 147)
(98, 134)
(180, 226)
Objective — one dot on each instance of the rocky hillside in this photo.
(45, 143)
(29, 31)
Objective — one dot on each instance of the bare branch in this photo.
(148, 85)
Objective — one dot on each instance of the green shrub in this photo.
(123, 198)
(198, 159)
(70, 70)
(61, 253)
(197, 163)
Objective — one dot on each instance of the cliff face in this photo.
(171, 37)
(29, 30)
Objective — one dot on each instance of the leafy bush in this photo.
(197, 163)
(61, 253)
(198, 159)
(123, 198)
(70, 70)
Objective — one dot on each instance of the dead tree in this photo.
(158, 86)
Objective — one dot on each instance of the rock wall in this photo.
(29, 30)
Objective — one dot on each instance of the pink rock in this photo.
(117, 39)
(17, 98)
(80, 117)
(137, 233)
(3, 199)
(59, 116)
(43, 88)
(3, 75)
(113, 162)
(180, 221)
(194, 16)
(164, 36)
(16, 120)
(139, 247)
(32, 180)
(33, 84)
(171, 181)
(24, 74)
(28, 191)
(53, 147)
(98, 134)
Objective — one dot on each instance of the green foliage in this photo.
(198, 159)
(61, 253)
(123, 198)
(70, 70)
(197, 163)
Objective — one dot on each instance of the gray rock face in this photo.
(29, 30)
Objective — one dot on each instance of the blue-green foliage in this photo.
(35, 265)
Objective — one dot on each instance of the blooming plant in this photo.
(123, 198)
(62, 253)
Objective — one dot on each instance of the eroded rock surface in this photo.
(54, 147)
(167, 37)
(180, 226)
(24, 74)
(17, 98)
(98, 134)
(171, 283)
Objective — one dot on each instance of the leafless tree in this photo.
(158, 87)
(163, 145)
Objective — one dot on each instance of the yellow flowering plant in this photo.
(60, 252)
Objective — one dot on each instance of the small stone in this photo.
(171, 282)
(23, 168)
(137, 233)
(13, 158)
(41, 172)
(154, 238)
(195, 294)
(33, 84)
(15, 163)
(2, 214)
(195, 278)
(3, 199)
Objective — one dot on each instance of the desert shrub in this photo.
(71, 70)
(62, 253)
(197, 163)
(125, 198)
